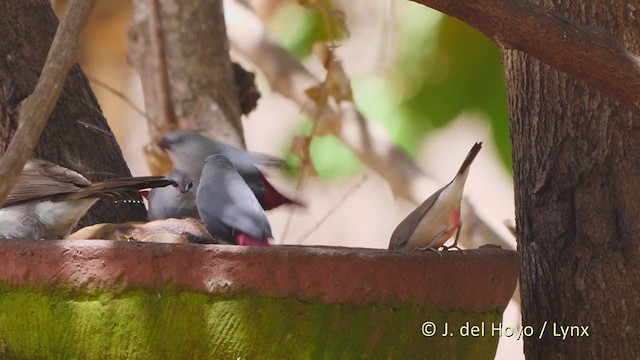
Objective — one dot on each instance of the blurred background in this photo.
(436, 85)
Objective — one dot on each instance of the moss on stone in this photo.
(171, 324)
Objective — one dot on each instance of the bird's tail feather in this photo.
(123, 188)
(470, 157)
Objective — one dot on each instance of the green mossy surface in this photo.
(58, 324)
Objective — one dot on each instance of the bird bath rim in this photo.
(477, 280)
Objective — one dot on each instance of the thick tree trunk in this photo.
(77, 135)
(187, 42)
(577, 182)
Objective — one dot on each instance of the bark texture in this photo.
(577, 182)
(77, 135)
(182, 54)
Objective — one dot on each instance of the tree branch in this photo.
(589, 54)
(36, 108)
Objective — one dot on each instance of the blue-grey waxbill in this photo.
(432, 223)
(177, 201)
(48, 200)
(228, 207)
(189, 149)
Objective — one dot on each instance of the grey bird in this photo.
(48, 200)
(189, 149)
(177, 201)
(432, 223)
(228, 207)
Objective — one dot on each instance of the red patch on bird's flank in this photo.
(454, 221)
(246, 240)
(455, 218)
(273, 198)
(144, 193)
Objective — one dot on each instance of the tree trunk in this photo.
(185, 42)
(577, 184)
(77, 135)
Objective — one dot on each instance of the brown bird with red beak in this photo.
(48, 200)
(430, 225)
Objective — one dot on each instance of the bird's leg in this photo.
(436, 239)
(430, 246)
(455, 241)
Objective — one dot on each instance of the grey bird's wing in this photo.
(189, 150)
(407, 227)
(245, 161)
(223, 196)
(40, 179)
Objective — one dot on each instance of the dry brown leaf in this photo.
(301, 148)
(324, 53)
(339, 21)
(339, 83)
(327, 123)
(318, 94)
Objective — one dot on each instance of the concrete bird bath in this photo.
(97, 299)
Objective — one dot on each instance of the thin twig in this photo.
(118, 94)
(36, 108)
(299, 186)
(96, 129)
(337, 206)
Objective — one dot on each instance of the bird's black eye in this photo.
(188, 185)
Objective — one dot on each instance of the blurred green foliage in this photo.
(298, 28)
(331, 158)
(443, 68)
